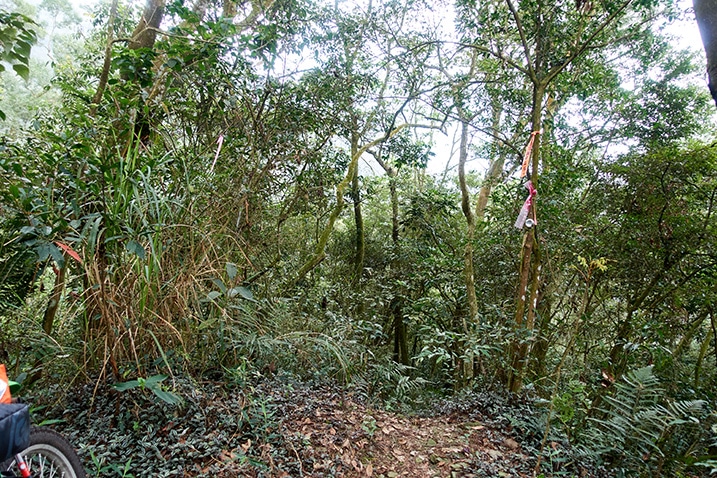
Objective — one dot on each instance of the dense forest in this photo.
(410, 201)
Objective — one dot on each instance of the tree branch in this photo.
(104, 76)
(586, 44)
(523, 40)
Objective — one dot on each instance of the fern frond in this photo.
(636, 423)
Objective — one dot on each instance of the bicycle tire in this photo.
(49, 455)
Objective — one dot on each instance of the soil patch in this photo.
(280, 429)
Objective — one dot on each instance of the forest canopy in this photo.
(411, 198)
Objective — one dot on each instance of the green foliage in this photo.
(640, 432)
(17, 268)
(391, 383)
(17, 35)
(190, 234)
(153, 384)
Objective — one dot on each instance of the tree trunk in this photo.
(713, 323)
(542, 341)
(144, 36)
(706, 15)
(700, 358)
(400, 344)
(530, 263)
(145, 33)
(496, 164)
(394, 206)
(468, 269)
(107, 63)
(358, 217)
(688, 336)
(320, 251)
(470, 219)
(618, 358)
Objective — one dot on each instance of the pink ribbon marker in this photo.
(520, 222)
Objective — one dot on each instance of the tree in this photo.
(373, 101)
(543, 41)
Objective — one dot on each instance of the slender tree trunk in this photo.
(618, 358)
(574, 331)
(400, 344)
(105, 74)
(713, 322)
(542, 343)
(530, 263)
(496, 165)
(468, 270)
(320, 251)
(491, 178)
(700, 358)
(400, 333)
(688, 336)
(358, 216)
(394, 206)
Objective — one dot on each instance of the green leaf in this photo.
(154, 380)
(213, 294)
(57, 255)
(243, 291)
(22, 48)
(167, 397)
(2, 114)
(136, 248)
(46, 423)
(124, 386)
(231, 270)
(22, 70)
(42, 250)
(219, 283)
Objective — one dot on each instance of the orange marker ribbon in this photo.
(526, 154)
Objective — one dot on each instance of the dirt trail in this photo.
(333, 435)
(281, 430)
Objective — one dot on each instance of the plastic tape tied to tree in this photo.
(528, 152)
(525, 210)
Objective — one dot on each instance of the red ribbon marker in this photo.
(520, 222)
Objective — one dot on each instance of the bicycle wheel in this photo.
(49, 455)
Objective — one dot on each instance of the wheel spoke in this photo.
(49, 456)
